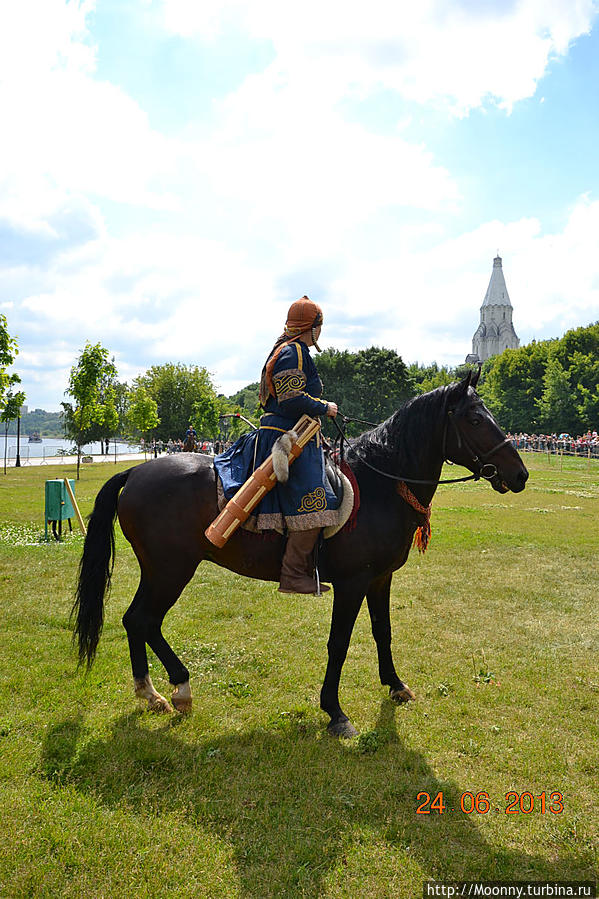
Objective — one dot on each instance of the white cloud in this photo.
(42, 35)
(69, 133)
(155, 298)
(283, 186)
(458, 52)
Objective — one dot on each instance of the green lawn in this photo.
(495, 630)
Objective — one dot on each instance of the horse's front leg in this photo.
(378, 605)
(346, 606)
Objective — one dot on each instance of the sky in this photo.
(174, 174)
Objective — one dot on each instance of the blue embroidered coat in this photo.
(305, 501)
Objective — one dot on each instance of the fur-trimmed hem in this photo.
(329, 518)
(276, 521)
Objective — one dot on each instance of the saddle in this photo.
(342, 487)
(333, 476)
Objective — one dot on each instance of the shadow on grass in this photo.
(292, 803)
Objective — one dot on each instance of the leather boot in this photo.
(297, 568)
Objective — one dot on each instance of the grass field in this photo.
(495, 630)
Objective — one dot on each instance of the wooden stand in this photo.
(75, 507)
(256, 487)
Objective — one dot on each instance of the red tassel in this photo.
(423, 532)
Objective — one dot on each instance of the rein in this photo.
(480, 458)
(485, 469)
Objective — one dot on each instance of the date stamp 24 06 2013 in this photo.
(480, 803)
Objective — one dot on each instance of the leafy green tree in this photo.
(578, 352)
(176, 388)
(429, 377)
(205, 415)
(122, 399)
(556, 407)
(382, 382)
(230, 424)
(142, 413)
(91, 386)
(552, 385)
(8, 352)
(588, 406)
(513, 382)
(337, 370)
(247, 401)
(48, 424)
(369, 384)
(12, 408)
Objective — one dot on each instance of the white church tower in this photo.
(496, 331)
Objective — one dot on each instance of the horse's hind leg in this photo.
(134, 623)
(378, 605)
(143, 623)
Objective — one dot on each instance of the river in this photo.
(55, 446)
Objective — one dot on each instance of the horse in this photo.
(190, 444)
(450, 423)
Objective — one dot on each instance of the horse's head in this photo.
(474, 439)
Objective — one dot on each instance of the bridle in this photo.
(484, 469)
(478, 458)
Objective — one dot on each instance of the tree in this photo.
(205, 415)
(122, 399)
(176, 388)
(512, 383)
(12, 408)
(91, 384)
(142, 415)
(556, 407)
(247, 401)
(337, 370)
(370, 384)
(552, 385)
(382, 382)
(8, 352)
(429, 377)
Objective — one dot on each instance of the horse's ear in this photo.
(475, 375)
(459, 389)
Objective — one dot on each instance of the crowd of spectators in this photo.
(583, 445)
(176, 446)
(157, 447)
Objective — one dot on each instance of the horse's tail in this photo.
(95, 570)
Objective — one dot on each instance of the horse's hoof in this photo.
(343, 729)
(160, 705)
(183, 706)
(401, 694)
(181, 698)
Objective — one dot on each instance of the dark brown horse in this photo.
(180, 491)
(190, 445)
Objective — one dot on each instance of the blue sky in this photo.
(174, 174)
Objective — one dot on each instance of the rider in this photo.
(289, 388)
(190, 433)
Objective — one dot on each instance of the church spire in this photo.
(497, 294)
(495, 332)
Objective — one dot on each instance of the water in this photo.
(55, 446)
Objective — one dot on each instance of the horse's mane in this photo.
(396, 444)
